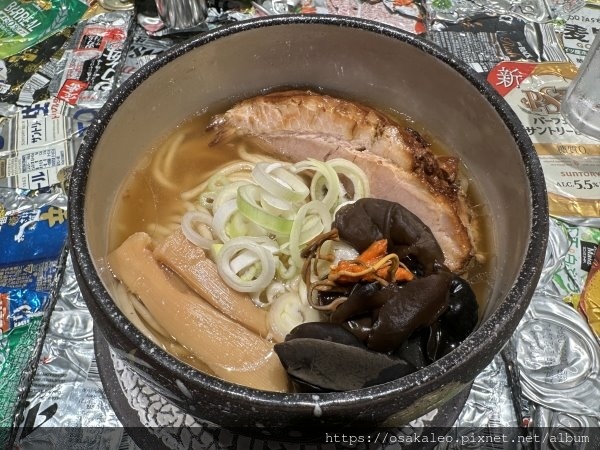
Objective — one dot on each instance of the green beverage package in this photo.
(24, 23)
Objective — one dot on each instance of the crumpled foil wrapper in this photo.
(20, 346)
(557, 430)
(539, 11)
(559, 357)
(66, 393)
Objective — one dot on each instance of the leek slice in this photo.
(248, 203)
(226, 193)
(358, 178)
(300, 234)
(229, 267)
(281, 183)
(222, 217)
(189, 229)
(325, 184)
(287, 312)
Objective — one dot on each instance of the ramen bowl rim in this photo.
(484, 339)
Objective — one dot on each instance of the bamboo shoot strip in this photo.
(200, 273)
(233, 352)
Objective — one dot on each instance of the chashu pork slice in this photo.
(295, 125)
(336, 122)
(229, 349)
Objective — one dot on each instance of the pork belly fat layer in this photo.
(230, 350)
(200, 273)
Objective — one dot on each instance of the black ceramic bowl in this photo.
(349, 57)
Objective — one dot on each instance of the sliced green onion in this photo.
(280, 182)
(360, 182)
(266, 264)
(324, 179)
(275, 205)
(264, 213)
(299, 236)
(248, 204)
(265, 298)
(206, 199)
(313, 226)
(287, 312)
(214, 250)
(221, 218)
(226, 193)
(188, 227)
(237, 225)
(286, 273)
(341, 251)
(247, 258)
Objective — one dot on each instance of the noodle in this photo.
(126, 304)
(242, 149)
(159, 232)
(237, 170)
(148, 318)
(163, 161)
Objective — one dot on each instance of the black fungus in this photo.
(414, 348)
(382, 331)
(328, 296)
(324, 331)
(362, 299)
(361, 326)
(457, 322)
(319, 365)
(368, 220)
(411, 306)
(462, 315)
